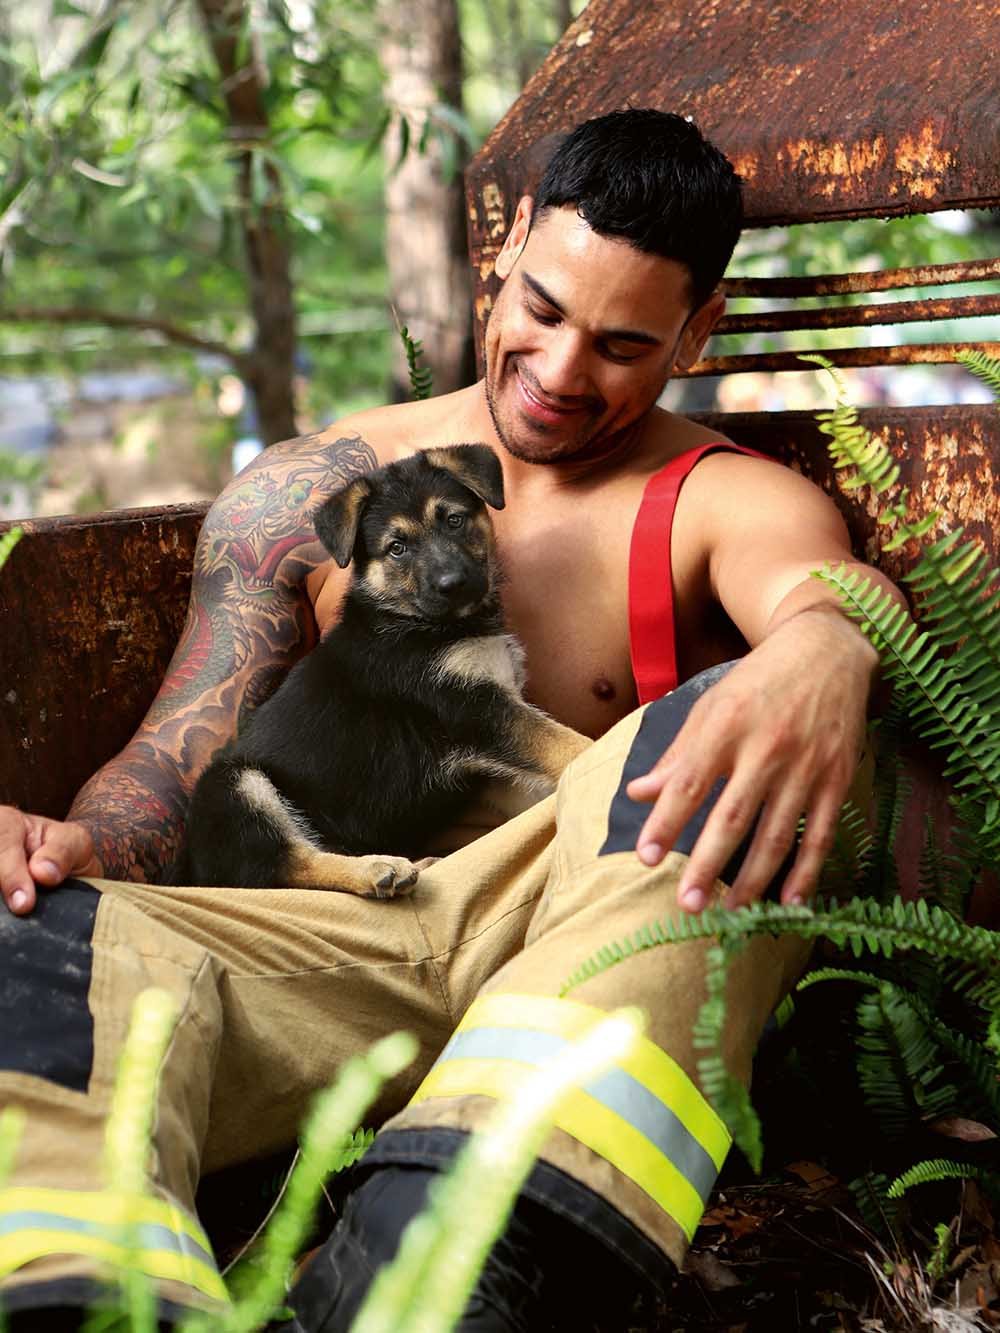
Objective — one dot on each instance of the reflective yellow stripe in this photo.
(650, 1065)
(149, 1233)
(645, 1116)
(600, 1130)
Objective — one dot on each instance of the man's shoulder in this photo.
(379, 435)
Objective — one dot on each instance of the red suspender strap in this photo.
(650, 582)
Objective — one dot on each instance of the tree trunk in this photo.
(270, 365)
(426, 245)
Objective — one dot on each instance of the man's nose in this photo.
(563, 372)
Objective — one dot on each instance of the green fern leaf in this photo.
(924, 1173)
(986, 367)
(939, 709)
(959, 596)
(860, 924)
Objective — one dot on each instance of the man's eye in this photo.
(620, 357)
(543, 316)
(397, 549)
(456, 520)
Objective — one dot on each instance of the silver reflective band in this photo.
(617, 1090)
(147, 1235)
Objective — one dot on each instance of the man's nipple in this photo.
(603, 689)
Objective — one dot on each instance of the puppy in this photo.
(387, 729)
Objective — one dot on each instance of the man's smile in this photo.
(537, 405)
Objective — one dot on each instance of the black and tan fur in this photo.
(382, 735)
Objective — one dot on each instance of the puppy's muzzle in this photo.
(455, 588)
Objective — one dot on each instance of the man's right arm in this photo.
(248, 621)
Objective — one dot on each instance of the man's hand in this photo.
(39, 851)
(785, 727)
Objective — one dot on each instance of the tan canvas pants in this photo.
(278, 987)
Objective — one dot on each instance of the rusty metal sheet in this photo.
(90, 610)
(949, 456)
(852, 108)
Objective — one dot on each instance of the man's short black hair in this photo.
(650, 178)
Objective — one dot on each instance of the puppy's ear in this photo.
(338, 517)
(475, 466)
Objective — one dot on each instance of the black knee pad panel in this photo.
(45, 968)
(660, 725)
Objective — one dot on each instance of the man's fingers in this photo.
(63, 849)
(772, 841)
(725, 828)
(16, 885)
(38, 851)
(815, 847)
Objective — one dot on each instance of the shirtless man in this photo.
(601, 302)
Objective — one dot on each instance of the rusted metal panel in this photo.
(851, 108)
(948, 456)
(90, 610)
(879, 280)
(905, 354)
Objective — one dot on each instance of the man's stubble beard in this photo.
(588, 447)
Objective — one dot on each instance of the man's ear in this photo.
(475, 466)
(697, 329)
(516, 237)
(338, 517)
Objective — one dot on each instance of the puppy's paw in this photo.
(388, 876)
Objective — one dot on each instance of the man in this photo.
(613, 572)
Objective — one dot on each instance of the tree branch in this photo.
(112, 320)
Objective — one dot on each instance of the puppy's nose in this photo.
(450, 582)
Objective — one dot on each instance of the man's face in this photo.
(581, 340)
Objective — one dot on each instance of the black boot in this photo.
(544, 1275)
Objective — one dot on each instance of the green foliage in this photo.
(923, 1173)
(118, 165)
(986, 367)
(8, 540)
(925, 1034)
(421, 378)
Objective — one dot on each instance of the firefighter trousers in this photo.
(276, 988)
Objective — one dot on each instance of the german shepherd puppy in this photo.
(383, 733)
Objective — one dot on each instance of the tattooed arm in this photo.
(248, 621)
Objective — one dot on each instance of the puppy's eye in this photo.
(396, 549)
(456, 520)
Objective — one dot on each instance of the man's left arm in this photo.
(785, 727)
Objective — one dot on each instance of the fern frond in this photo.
(846, 867)
(945, 878)
(352, 1149)
(884, 1080)
(943, 1245)
(939, 709)
(727, 1094)
(860, 924)
(891, 791)
(871, 1196)
(851, 444)
(969, 1052)
(820, 974)
(421, 377)
(986, 367)
(959, 596)
(936, 1168)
